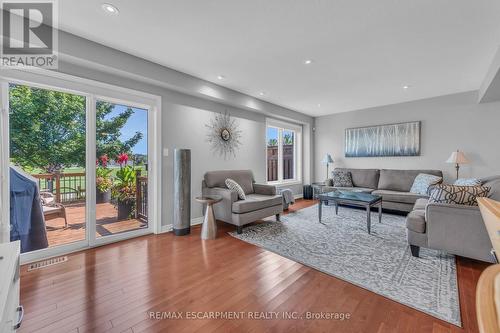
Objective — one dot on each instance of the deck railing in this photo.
(141, 196)
(70, 188)
(67, 187)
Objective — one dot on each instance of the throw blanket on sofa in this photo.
(287, 197)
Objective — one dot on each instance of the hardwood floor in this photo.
(115, 287)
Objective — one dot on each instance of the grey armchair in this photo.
(261, 200)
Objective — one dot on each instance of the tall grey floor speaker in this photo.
(182, 192)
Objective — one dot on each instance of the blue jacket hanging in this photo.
(27, 223)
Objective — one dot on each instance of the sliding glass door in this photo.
(122, 168)
(47, 141)
(76, 166)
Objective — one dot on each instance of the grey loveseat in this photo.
(261, 200)
(393, 185)
(456, 229)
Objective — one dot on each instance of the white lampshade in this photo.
(327, 159)
(457, 157)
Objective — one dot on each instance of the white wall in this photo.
(184, 116)
(448, 123)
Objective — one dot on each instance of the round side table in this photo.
(209, 227)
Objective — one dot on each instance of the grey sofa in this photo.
(456, 229)
(393, 185)
(261, 200)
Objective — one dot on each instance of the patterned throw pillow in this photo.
(422, 183)
(234, 186)
(342, 178)
(460, 195)
(467, 182)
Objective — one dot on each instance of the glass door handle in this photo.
(20, 309)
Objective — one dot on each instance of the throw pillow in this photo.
(460, 195)
(467, 182)
(234, 186)
(342, 178)
(422, 183)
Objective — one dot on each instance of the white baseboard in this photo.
(168, 227)
(197, 220)
(298, 196)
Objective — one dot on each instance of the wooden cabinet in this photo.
(10, 310)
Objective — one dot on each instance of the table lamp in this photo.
(327, 160)
(457, 158)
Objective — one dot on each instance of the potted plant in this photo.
(124, 188)
(104, 181)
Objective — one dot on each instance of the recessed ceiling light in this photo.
(406, 87)
(221, 77)
(109, 8)
(308, 61)
(262, 93)
(319, 105)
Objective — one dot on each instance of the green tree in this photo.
(108, 131)
(47, 129)
(139, 159)
(272, 142)
(288, 139)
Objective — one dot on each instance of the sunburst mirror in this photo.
(224, 135)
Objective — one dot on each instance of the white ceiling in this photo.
(364, 51)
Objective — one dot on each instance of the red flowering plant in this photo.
(104, 182)
(124, 187)
(122, 159)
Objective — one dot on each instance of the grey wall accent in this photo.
(184, 116)
(448, 123)
(490, 88)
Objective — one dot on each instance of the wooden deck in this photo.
(106, 224)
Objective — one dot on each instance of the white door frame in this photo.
(92, 90)
(4, 172)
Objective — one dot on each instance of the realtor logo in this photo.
(29, 34)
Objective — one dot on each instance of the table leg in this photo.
(380, 212)
(336, 208)
(368, 218)
(209, 227)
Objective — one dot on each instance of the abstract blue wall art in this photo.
(384, 140)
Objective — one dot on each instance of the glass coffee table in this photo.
(351, 198)
(317, 189)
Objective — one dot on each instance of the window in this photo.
(283, 152)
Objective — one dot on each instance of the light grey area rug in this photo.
(380, 262)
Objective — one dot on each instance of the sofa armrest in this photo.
(225, 193)
(325, 189)
(223, 209)
(454, 208)
(457, 229)
(264, 189)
